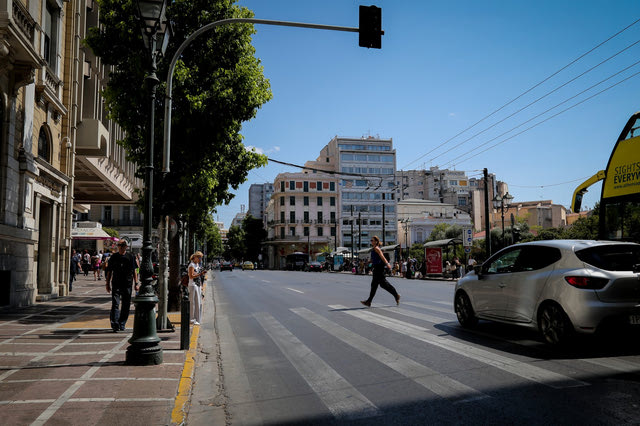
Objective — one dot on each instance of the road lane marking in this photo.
(518, 368)
(431, 308)
(293, 289)
(615, 364)
(343, 400)
(433, 381)
(417, 315)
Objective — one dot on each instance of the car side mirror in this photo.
(478, 270)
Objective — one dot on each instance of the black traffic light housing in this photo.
(370, 28)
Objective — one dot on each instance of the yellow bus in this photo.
(620, 199)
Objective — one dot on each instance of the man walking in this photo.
(121, 272)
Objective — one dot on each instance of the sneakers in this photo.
(397, 299)
(196, 323)
(366, 303)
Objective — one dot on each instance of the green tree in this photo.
(254, 236)
(235, 243)
(417, 251)
(211, 235)
(218, 85)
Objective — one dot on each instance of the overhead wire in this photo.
(543, 121)
(526, 91)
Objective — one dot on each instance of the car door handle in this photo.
(502, 285)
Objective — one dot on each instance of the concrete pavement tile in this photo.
(40, 373)
(22, 414)
(32, 390)
(13, 361)
(142, 372)
(136, 413)
(118, 388)
(24, 347)
(80, 413)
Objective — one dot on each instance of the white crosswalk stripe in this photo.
(342, 399)
(437, 383)
(518, 368)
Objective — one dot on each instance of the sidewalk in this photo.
(60, 363)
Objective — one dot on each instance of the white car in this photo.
(559, 287)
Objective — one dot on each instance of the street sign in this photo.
(467, 237)
(467, 250)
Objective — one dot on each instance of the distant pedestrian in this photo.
(121, 272)
(196, 274)
(96, 261)
(380, 263)
(86, 262)
(74, 268)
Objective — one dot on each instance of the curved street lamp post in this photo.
(145, 346)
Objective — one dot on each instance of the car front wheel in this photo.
(554, 324)
(466, 317)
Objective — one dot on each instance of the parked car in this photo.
(247, 265)
(313, 267)
(559, 287)
(225, 265)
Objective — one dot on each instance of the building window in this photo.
(332, 186)
(106, 215)
(292, 231)
(333, 217)
(282, 201)
(43, 144)
(306, 217)
(50, 30)
(319, 201)
(462, 201)
(281, 217)
(292, 217)
(305, 231)
(292, 201)
(305, 201)
(332, 201)
(319, 217)
(306, 186)
(292, 185)
(319, 186)
(320, 232)
(333, 231)
(282, 232)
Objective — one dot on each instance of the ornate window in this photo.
(43, 144)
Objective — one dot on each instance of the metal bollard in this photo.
(184, 319)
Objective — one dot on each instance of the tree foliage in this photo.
(218, 84)
(254, 235)
(235, 243)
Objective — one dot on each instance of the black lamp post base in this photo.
(144, 348)
(144, 355)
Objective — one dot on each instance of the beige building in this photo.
(301, 215)
(418, 218)
(57, 149)
(542, 214)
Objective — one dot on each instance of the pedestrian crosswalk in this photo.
(412, 324)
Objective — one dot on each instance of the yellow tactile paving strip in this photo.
(100, 321)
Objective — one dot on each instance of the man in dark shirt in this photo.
(121, 272)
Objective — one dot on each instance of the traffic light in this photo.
(370, 28)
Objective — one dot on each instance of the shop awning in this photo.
(91, 234)
(443, 243)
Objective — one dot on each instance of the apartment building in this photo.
(367, 190)
(259, 196)
(418, 218)
(302, 215)
(58, 154)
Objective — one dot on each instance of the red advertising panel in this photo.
(433, 256)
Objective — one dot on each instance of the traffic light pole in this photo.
(167, 105)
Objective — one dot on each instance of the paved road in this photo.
(295, 347)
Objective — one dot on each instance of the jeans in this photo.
(119, 316)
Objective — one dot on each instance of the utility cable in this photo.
(525, 92)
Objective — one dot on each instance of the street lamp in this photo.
(405, 223)
(144, 346)
(500, 203)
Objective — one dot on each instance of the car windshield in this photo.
(611, 257)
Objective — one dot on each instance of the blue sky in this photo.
(444, 66)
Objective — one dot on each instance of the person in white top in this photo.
(196, 278)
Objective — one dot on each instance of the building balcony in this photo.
(20, 32)
(49, 90)
(103, 175)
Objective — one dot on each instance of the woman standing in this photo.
(196, 272)
(379, 264)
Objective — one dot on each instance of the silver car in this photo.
(560, 287)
